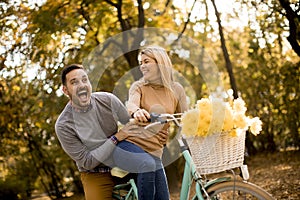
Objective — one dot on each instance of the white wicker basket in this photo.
(218, 152)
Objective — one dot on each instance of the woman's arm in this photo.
(182, 98)
(134, 98)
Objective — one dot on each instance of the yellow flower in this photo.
(203, 104)
(239, 106)
(255, 125)
(203, 123)
(233, 133)
(240, 120)
(190, 122)
(214, 115)
(218, 115)
(228, 121)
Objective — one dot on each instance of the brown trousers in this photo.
(97, 186)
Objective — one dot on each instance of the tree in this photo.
(291, 13)
(40, 38)
(225, 53)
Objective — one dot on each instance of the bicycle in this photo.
(221, 187)
(126, 191)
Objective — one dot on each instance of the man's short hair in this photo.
(67, 69)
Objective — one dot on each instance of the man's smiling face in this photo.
(78, 88)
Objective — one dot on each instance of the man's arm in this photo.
(84, 158)
(89, 159)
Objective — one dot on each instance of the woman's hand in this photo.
(141, 115)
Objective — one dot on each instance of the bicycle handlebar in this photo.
(162, 119)
(165, 118)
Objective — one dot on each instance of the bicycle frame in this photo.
(190, 173)
(215, 187)
(130, 193)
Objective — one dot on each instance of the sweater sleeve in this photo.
(134, 99)
(85, 159)
(182, 99)
(119, 111)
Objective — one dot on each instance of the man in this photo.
(87, 129)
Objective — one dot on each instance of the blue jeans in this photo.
(151, 177)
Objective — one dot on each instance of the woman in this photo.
(155, 92)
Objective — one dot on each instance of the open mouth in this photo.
(83, 94)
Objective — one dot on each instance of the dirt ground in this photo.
(278, 173)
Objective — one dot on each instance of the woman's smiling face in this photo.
(149, 68)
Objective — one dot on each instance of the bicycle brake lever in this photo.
(155, 123)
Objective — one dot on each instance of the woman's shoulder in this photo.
(177, 86)
(137, 84)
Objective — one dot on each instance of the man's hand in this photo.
(128, 129)
(163, 136)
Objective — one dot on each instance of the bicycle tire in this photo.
(237, 190)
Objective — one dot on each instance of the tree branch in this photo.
(186, 23)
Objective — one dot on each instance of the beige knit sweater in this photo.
(158, 99)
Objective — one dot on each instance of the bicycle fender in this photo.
(217, 180)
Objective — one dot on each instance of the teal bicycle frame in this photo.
(129, 189)
(190, 173)
(216, 187)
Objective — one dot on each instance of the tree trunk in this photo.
(294, 21)
(225, 53)
(131, 51)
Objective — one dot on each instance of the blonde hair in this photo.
(163, 61)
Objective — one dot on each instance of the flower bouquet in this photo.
(215, 131)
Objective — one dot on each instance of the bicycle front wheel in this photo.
(237, 190)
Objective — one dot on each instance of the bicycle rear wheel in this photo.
(237, 190)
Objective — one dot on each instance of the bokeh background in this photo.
(250, 47)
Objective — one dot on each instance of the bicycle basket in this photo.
(217, 152)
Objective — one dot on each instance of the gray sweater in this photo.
(84, 135)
